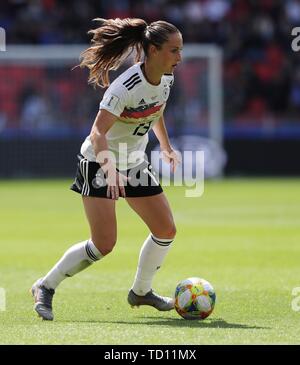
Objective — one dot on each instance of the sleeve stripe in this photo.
(133, 85)
(130, 79)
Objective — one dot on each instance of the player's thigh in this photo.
(101, 216)
(156, 213)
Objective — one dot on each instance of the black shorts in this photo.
(90, 180)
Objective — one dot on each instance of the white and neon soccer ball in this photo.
(194, 298)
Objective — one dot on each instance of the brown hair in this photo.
(116, 39)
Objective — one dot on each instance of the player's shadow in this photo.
(208, 323)
(178, 322)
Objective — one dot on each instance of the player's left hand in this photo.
(171, 157)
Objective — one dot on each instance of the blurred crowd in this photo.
(261, 71)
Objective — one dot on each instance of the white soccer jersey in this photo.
(138, 106)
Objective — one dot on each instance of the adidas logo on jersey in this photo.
(142, 102)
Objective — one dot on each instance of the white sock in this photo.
(151, 257)
(75, 259)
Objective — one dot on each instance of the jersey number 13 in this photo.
(142, 129)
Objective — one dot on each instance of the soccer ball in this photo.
(194, 298)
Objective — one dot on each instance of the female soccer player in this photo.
(132, 105)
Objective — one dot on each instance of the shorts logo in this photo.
(98, 181)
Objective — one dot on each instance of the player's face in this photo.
(169, 55)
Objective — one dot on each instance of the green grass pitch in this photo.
(242, 235)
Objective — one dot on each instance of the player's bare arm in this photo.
(169, 155)
(161, 133)
(115, 181)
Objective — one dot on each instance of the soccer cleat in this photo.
(42, 300)
(152, 299)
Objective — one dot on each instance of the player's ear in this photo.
(152, 50)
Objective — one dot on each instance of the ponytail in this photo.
(115, 39)
(112, 42)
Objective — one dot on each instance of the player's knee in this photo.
(168, 232)
(105, 250)
(105, 244)
(171, 232)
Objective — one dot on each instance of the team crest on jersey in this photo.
(166, 92)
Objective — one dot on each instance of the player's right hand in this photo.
(115, 184)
